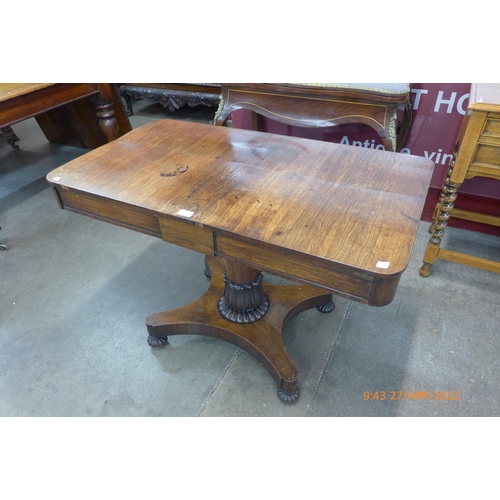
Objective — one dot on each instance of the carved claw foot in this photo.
(327, 308)
(157, 341)
(289, 397)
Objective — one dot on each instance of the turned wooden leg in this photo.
(107, 120)
(106, 111)
(441, 216)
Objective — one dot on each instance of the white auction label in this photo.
(185, 213)
(383, 265)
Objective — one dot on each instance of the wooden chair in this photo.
(477, 154)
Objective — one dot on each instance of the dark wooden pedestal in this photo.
(261, 338)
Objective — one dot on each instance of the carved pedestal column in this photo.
(244, 300)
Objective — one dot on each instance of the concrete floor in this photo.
(76, 292)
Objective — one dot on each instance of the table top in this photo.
(483, 95)
(11, 90)
(19, 101)
(320, 202)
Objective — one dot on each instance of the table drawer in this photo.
(492, 126)
(486, 160)
(187, 234)
(350, 283)
(113, 212)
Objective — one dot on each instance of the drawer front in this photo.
(488, 154)
(349, 283)
(106, 210)
(492, 127)
(187, 234)
(486, 157)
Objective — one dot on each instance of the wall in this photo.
(438, 110)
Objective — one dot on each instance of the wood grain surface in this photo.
(322, 213)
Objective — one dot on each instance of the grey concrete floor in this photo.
(75, 294)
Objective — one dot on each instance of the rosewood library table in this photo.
(335, 219)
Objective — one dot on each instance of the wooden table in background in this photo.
(385, 107)
(64, 112)
(336, 219)
(477, 154)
